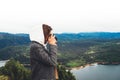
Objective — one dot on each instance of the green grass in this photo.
(76, 63)
(72, 64)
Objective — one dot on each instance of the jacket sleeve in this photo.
(46, 57)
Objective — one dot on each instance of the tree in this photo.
(15, 71)
(65, 74)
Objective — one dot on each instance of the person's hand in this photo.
(52, 40)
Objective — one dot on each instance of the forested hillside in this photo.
(7, 39)
(73, 49)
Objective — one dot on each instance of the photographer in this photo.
(43, 60)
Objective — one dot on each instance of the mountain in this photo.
(7, 39)
(88, 35)
(84, 48)
(73, 49)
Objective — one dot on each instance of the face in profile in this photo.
(52, 34)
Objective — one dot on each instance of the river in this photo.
(98, 72)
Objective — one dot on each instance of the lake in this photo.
(98, 72)
(2, 63)
(95, 72)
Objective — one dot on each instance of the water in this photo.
(98, 72)
(2, 63)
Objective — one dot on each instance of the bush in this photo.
(65, 74)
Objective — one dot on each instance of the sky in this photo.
(74, 16)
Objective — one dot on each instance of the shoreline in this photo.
(81, 67)
(3, 62)
(94, 64)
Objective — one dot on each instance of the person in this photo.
(42, 56)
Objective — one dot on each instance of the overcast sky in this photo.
(18, 16)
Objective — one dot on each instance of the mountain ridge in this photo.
(73, 49)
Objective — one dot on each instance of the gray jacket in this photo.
(43, 62)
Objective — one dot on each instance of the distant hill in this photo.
(83, 48)
(7, 39)
(20, 52)
(73, 49)
(89, 35)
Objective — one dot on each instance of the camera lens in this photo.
(56, 38)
